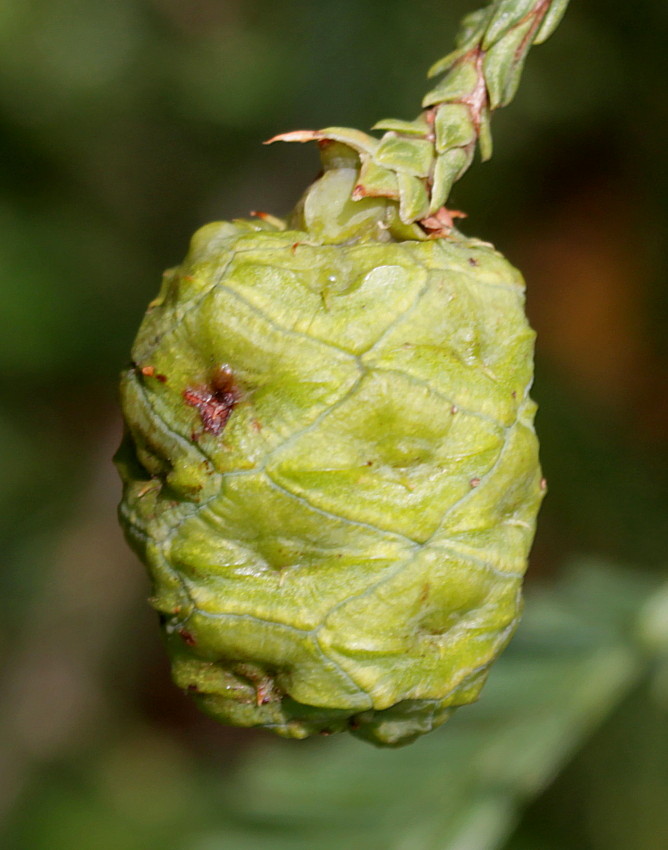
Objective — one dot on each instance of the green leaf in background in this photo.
(577, 654)
(573, 659)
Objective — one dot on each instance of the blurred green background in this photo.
(125, 125)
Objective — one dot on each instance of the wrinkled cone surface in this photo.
(331, 473)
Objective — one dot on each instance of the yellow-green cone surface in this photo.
(330, 465)
(331, 473)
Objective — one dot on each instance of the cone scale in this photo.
(329, 466)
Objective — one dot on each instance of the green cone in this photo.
(330, 467)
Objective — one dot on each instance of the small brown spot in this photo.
(193, 689)
(325, 732)
(369, 463)
(256, 425)
(543, 483)
(473, 261)
(263, 692)
(454, 409)
(149, 372)
(295, 245)
(263, 216)
(214, 402)
(354, 723)
(474, 482)
(187, 637)
(441, 223)
(514, 393)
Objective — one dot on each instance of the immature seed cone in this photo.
(330, 468)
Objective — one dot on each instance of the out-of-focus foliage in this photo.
(123, 126)
(571, 663)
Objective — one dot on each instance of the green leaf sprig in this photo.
(416, 163)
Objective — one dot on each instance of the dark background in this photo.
(123, 127)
